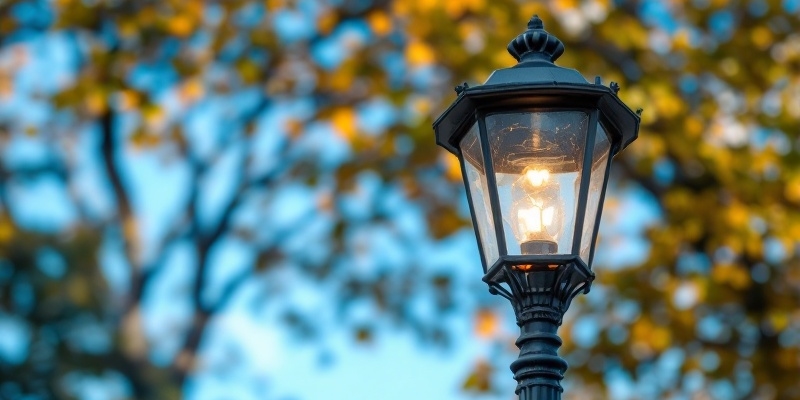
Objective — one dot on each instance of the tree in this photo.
(197, 129)
(223, 95)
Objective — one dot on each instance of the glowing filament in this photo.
(537, 177)
(535, 219)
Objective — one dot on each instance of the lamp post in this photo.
(535, 144)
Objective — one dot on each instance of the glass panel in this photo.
(599, 164)
(477, 190)
(537, 158)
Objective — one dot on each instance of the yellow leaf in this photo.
(6, 85)
(737, 215)
(78, 291)
(128, 100)
(792, 190)
(564, 5)
(344, 121)
(479, 379)
(660, 338)
(341, 79)
(693, 126)
(761, 37)
(180, 25)
(421, 105)
(732, 275)
(380, 23)
(95, 103)
(147, 16)
(529, 8)
(128, 28)
(456, 9)
(273, 5)
(648, 336)
(485, 322)
(753, 247)
(191, 91)
(667, 102)
(142, 139)
(779, 320)
(195, 8)
(641, 329)
(452, 167)
(729, 66)
(293, 127)
(401, 8)
(248, 70)
(637, 97)
(326, 22)
(6, 230)
(152, 114)
(693, 229)
(418, 53)
(681, 40)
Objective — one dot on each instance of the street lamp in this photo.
(535, 144)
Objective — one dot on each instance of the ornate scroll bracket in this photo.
(542, 293)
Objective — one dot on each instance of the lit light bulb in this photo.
(536, 212)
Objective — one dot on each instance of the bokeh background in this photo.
(242, 199)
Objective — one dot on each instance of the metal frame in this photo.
(625, 122)
(586, 180)
(491, 183)
(602, 200)
(496, 209)
(539, 287)
(472, 214)
(529, 104)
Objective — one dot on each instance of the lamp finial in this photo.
(536, 43)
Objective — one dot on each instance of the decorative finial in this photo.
(614, 86)
(461, 88)
(536, 43)
(535, 23)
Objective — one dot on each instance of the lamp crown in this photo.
(536, 44)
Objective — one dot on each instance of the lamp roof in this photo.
(535, 82)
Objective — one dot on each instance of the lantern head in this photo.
(535, 144)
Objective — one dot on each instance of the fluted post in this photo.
(539, 370)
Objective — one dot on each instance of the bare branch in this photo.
(108, 151)
(230, 289)
(204, 242)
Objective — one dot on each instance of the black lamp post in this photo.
(535, 144)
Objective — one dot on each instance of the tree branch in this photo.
(108, 150)
(204, 242)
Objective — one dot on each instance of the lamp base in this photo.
(540, 298)
(539, 247)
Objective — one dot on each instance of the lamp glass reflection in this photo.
(537, 158)
(477, 190)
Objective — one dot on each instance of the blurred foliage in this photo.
(719, 152)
